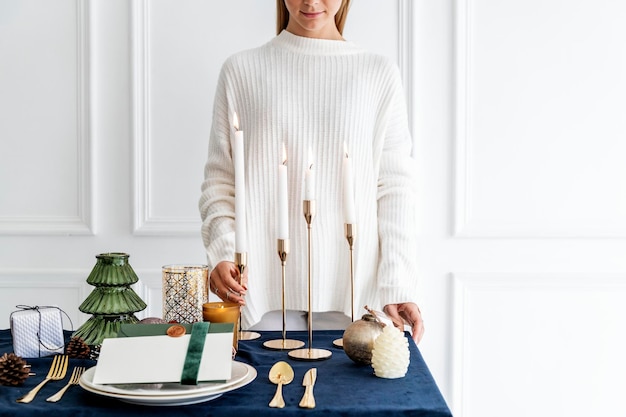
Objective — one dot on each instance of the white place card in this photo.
(160, 359)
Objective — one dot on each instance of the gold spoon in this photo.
(281, 374)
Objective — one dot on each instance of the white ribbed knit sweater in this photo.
(317, 94)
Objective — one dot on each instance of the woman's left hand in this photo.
(408, 313)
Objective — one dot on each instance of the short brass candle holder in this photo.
(241, 262)
(350, 229)
(284, 343)
(309, 354)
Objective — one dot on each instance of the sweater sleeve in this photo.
(397, 271)
(217, 200)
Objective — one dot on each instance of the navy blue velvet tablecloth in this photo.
(343, 388)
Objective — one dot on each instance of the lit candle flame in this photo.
(235, 121)
(284, 154)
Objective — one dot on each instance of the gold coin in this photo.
(176, 331)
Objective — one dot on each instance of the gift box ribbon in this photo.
(23, 307)
(194, 353)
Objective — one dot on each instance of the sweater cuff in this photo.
(221, 249)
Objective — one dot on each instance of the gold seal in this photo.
(176, 330)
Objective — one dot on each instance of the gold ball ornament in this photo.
(390, 355)
(359, 337)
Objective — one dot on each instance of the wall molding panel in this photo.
(406, 55)
(492, 140)
(494, 316)
(145, 222)
(150, 289)
(65, 288)
(82, 222)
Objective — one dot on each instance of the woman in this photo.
(309, 89)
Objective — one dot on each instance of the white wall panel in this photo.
(539, 119)
(65, 289)
(44, 118)
(150, 289)
(539, 344)
(179, 49)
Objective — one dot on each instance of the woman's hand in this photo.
(408, 313)
(224, 282)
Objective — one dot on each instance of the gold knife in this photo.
(308, 401)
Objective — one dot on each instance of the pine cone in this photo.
(13, 369)
(77, 348)
(390, 355)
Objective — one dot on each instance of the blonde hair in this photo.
(282, 15)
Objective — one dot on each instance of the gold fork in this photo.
(76, 373)
(57, 371)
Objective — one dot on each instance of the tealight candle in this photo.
(223, 312)
(240, 189)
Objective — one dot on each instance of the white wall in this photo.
(517, 113)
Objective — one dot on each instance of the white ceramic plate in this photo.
(238, 372)
(184, 396)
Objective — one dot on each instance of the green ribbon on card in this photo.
(193, 358)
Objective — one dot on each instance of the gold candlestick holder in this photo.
(241, 262)
(350, 229)
(284, 343)
(309, 354)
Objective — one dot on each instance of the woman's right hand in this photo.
(224, 282)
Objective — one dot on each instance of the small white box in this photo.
(37, 332)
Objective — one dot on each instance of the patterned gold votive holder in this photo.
(223, 312)
(184, 292)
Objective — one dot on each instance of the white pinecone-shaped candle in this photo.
(390, 355)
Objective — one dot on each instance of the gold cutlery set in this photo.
(282, 374)
(57, 372)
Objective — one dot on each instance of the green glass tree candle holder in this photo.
(113, 302)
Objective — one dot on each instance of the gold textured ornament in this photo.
(391, 356)
(359, 337)
(13, 369)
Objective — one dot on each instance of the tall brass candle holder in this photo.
(284, 343)
(241, 262)
(350, 230)
(309, 354)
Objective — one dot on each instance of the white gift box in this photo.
(37, 331)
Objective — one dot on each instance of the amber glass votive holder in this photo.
(223, 312)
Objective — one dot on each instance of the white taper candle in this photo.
(348, 188)
(283, 200)
(240, 190)
(309, 179)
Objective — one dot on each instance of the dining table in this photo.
(342, 387)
